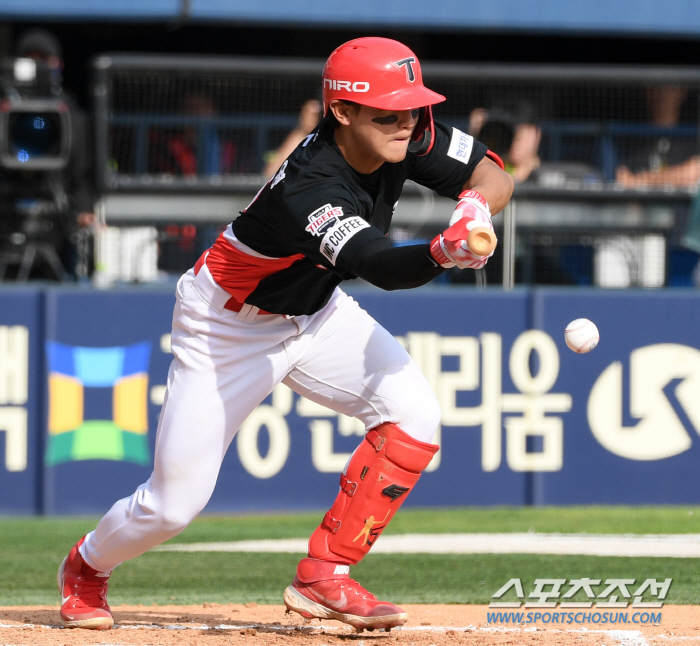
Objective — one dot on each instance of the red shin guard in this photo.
(381, 473)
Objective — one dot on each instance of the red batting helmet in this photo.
(385, 74)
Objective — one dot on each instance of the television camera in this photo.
(35, 148)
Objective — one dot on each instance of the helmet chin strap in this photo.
(422, 146)
(422, 138)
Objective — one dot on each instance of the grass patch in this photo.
(569, 520)
(32, 548)
(565, 520)
(195, 578)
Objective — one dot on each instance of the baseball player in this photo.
(263, 306)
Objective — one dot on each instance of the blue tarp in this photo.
(650, 17)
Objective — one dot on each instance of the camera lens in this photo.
(34, 135)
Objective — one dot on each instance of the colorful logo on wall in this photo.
(81, 381)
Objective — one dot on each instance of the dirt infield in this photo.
(438, 625)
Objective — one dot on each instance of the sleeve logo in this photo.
(338, 235)
(461, 145)
(280, 174)
(323, 218)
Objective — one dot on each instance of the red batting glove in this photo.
(450, 248)
(473, 206)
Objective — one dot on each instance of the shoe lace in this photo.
(354, 586)
(92, 592)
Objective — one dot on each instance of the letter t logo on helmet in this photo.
(385, 74)
(408, 62)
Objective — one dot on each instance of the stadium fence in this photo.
(182, 141)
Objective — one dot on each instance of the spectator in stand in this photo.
(197, 149)
(523, 159)
(496, 126)
(665, 159)
(514, 136)
(309, 116)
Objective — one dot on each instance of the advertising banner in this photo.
(290, 452)
(21, 401)
(631, 436)
(107, 356)
(525, 420)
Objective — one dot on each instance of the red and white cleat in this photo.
(83, 593)
(325, 590)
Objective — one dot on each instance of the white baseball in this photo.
(581, 335)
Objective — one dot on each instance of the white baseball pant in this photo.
(225, 363)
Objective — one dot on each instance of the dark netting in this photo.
(224, 120)
(200, 123)
(208, 125)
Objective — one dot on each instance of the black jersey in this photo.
(295, 242)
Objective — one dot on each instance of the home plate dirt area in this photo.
(438, 625)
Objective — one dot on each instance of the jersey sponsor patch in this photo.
(461, 145)
(337, 236)
(323, 218)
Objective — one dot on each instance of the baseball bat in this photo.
(481, 241)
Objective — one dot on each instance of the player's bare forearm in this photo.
(493, 183)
